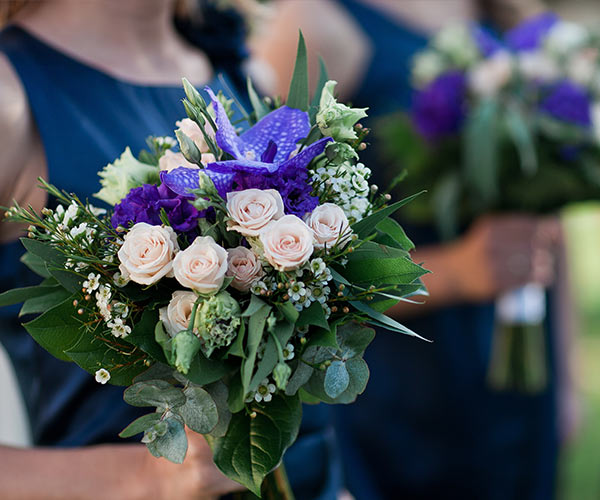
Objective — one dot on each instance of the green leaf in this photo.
(255, 305)
(68, 279)
(253, 447)
(143, 335)
(206, 371)
(298, 93)
(289, 311)
(396, 237)
(323, 77)
(220, 394)
(54, 296)
(237, 347)
(390, 271)
(157, 371)
(445, 201)
(366, 226)
(385, 321)
(313, 315)
(199, 411)
(173, 444)
(256, 326)
(481, 152)
(259, 107)
(36, 264)
(300, 376)
(236, 397)
(281, 375)
(18, 295)
(91, 354)
(140, 425)
(520, 133)
(283, 330)
(321, 337)
(353, 339)
(44, 251)
(337, 379)
(156, 393)
(358, 374)
(57, 330)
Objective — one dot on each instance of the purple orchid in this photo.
(487, 43)
(569, 103)
(262, 157)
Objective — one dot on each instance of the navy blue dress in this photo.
(85, 119)
(427, 426)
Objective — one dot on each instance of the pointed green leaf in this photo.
(323, 77)
(140, 425)
(298, 93)
(259, 107)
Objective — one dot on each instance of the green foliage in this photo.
(219, 393)
(158, 393)
(38, 304)
(142, 335)
(337, 379)
(323, 77)
(298, 92)
(57, 330)
(256, 326)
(199, 411)
(258, 105)
(185, 346)
(253, 447)
(140, 425)
(172, 444)
(313, 315)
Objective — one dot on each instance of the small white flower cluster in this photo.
(349, 186)
(165, 141)
(114, 313)
(102, 376)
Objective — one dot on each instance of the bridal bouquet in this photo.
(230, 280)
(509, 124)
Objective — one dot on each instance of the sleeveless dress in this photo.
(427, 426)
(85, 119)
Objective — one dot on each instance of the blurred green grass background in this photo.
(579, 469)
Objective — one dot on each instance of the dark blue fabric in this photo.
(85, 119)
(427, 426)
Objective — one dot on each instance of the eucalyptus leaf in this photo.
(156, 393)
(199, 411)
(358, 373)
(337, 379)
(301, 375)
(219, 392)
(173, 444)
(140, 425)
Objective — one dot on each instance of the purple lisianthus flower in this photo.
(438, 109)
(144, 204)
(487, 43)
(569, 103)
(262, 158)
(529, 34)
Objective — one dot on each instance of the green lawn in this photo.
(579, 476)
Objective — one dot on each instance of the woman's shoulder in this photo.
(14, 109)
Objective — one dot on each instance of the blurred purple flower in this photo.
(144, 204)
(528, 35)
(569, 103)
(487, 43)
(438, 109)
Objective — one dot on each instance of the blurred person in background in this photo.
(79, 81)
(428, 426)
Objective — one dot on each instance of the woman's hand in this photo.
(197, 478)
(500, 253)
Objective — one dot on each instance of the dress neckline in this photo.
(39, 41)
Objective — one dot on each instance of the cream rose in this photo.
(245, 268)
(176, 316)
(147, 253)
(252, 210)
(192, 130)
(201, 266)
(287, 243)
(171, 160)
(329, 224)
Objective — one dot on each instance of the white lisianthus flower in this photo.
(457, 42)
(190, 128)
(536, 65)
(427, 66)
(489, 76)
(102, 376)
(565, 37)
